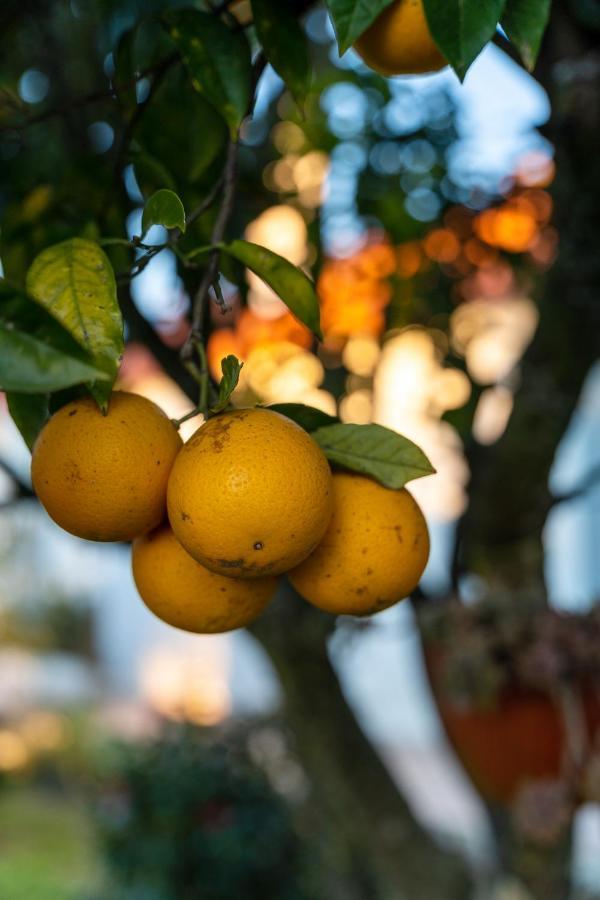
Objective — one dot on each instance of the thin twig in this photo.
(218, 232)
(206, 203)
(125, 139)
(191, 415)
(140, 265)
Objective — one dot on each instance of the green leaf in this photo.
(373, 450)
(218, 60)
(21, 313)
(163, 208)
(231, 368)
(150, 173)
(307, 417)
(37, 353)
(284, 43)
(352, 17)
(30, 365)
(125, 70)
(29, 412)
(75, 282)
(289, 282)
(525, 22)
(462, 28)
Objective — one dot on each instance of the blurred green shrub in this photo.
(179, 818)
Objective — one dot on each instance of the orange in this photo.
(250, 494)
(373, 552)
(184, 594)
(104, 477)
(399, 41)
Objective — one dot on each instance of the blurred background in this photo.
(450, 232)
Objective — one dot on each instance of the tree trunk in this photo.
(382, 852)
(544, 870)
(502, 531)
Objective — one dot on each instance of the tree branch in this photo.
(590, 482)
(87, 99)
(217, 235)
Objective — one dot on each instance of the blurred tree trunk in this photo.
(502, 529)
(501, 532)
(545, 870)
(381, 852)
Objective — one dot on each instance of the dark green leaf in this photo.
(75, 282)
(373, 450)
(462, 28)
(284, 43)
(525, 22)
(125, 70)
(163, 208)
(307, 417)
(150, 173)
(289, 282)
(30, 365)
(29, 412)
(352, 17)
(218, 60)
(231, 368)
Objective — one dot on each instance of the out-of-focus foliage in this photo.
(181, 818)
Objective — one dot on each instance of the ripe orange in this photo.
(250, 494)
(184, 594)
(399, 41)
(104, 477)
(373, 552)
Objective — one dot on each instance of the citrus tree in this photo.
(154, 111)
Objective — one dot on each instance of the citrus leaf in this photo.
(75, 282)
(37, 352)
(284, 44)
(217, 59)
(22, 313)
(29, 412)
(525, 22)
(373, 450)
(231, 368)
(352, 17)
(307, 417)
(462, 28)
(30, 365)
(288, 281)
(163, 208)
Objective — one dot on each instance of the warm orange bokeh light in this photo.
(249, 332)
(253, 331)
(355, 292)
(442, 245)
(507, 227)
(409, 259)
